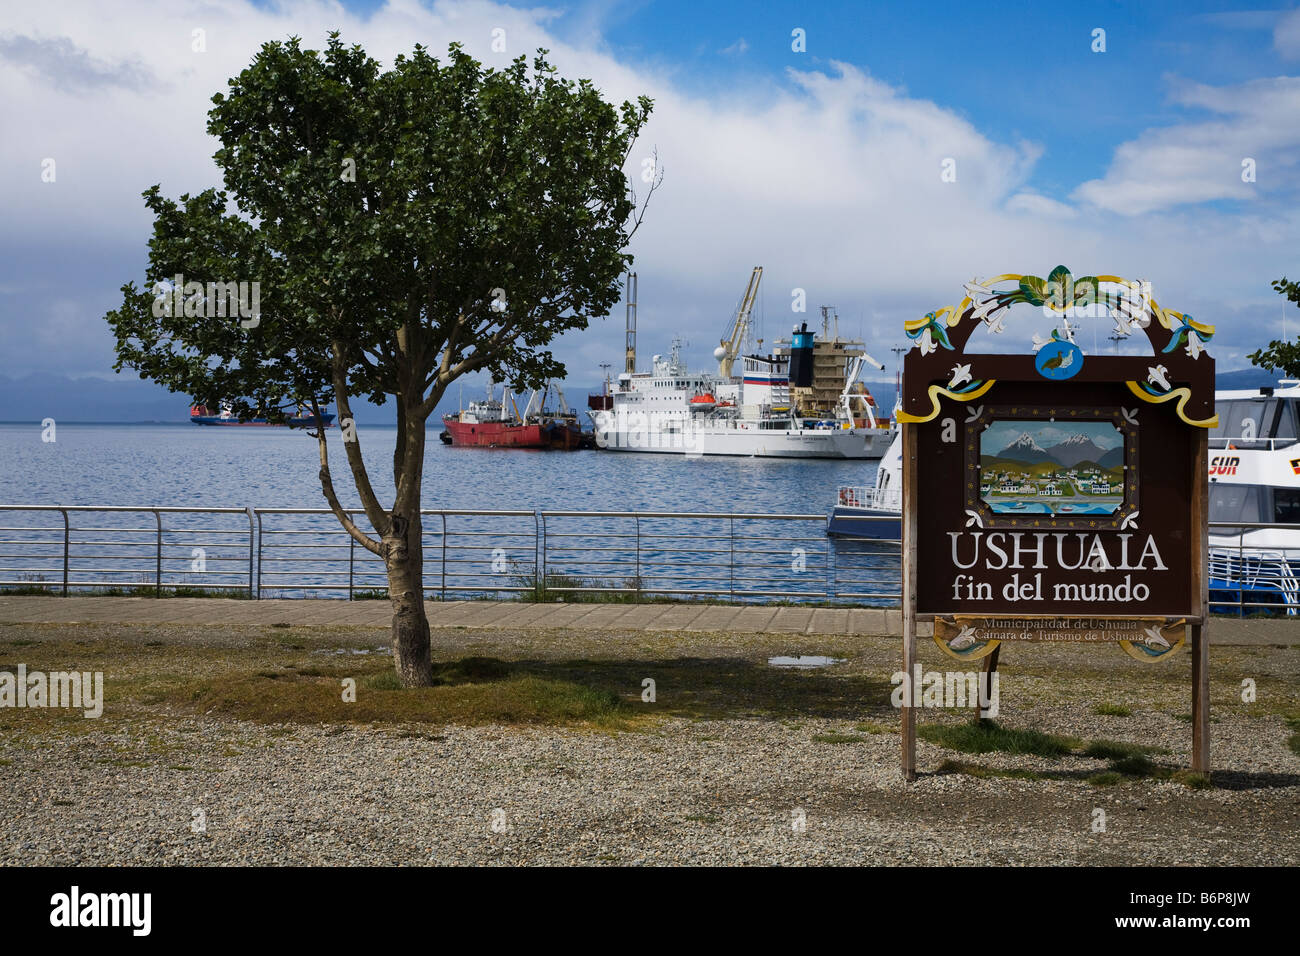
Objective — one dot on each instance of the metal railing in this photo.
(1253, 575)
(548, 555)
(101, 546)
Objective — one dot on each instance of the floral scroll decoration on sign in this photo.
(1128, 303)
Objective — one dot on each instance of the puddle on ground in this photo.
(805, 661)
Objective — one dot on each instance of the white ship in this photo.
(1255, 480)
(672, 410)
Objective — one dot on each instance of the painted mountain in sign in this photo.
(1112, 459)
(1075, 449)
(1025, 449)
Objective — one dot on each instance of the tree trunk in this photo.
(404, 559)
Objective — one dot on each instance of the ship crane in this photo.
(729, 349)
(846, 396)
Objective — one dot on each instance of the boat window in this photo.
(1286, 505)
(1286, 422)
(1234, 503)
(1243, 422)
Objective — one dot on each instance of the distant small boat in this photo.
(200, 415)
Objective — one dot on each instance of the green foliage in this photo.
(1112, 710)
(1119, 750)
(987, 736)
(1278, 354)
(379, 211)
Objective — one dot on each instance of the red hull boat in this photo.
(496, 434)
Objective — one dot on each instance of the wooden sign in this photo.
(1055, 494)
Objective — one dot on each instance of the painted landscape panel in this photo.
(1064, 468)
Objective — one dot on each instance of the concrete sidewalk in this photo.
(25, 609)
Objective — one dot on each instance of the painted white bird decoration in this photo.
(1066, 360)
(1155, 640)
(1157, 377)
(964, 639)
(960, 375)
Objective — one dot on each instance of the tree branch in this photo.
(374, 511)
(327, 486)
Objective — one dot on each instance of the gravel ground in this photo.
(752, 785)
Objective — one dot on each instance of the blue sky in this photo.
(823, 166)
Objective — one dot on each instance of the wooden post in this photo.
(1200, 578)
(908, 550)
(990, 667)
(1200, 700)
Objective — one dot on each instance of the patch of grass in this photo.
(1136, 765)
(989, 737)
(1119, 750)
(469, 691)
(1112, 710)
(384, 680)
(702, 818)
(1293, 742)
(1192, 779)
(871, 727)
(1107, 779)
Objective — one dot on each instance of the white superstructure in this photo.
(673, 410)
(1255, 466)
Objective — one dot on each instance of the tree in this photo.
(395, 230)
(1279, 354)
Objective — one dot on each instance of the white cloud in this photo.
(1286, 34)
(828, 176)
(1202, 161)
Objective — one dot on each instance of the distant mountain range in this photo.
(1075, 450)
(125, 398)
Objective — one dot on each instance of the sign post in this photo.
(1051, 495)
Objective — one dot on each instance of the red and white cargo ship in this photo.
(499, 424)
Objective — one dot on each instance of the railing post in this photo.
(352, 550)
(248, 510)
(1241, 574)
(637, 567)
(831, 589)
(66, 531)
(158, 568)
(444, 557)
(539, 582)
(539, 544)
(731, 561)
(260, 536)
